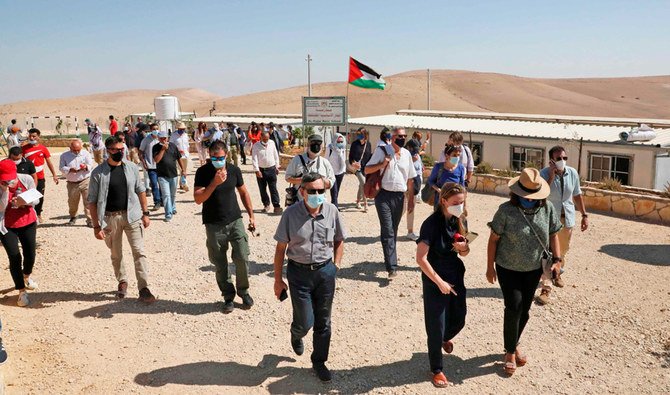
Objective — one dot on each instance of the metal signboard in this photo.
(324, 111)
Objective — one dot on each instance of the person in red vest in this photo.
(39, 155)
(113, 125)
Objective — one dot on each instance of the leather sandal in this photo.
(521, 358)
(440, 380)
(510, 364)
(448, 346)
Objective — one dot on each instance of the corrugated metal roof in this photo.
(257, 115)
(248, 119)
(537, 129)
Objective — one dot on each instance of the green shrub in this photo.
(666, 193)
(484, 168)
(507, 173)
(610, 184)
(427, 160)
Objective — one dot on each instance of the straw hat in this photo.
(529, 185)
(181, 125)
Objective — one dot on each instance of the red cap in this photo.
(7, 170)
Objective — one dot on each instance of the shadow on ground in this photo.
(301, 380)
(131, 305)
(40, 300)
(648, 254)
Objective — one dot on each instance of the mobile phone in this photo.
(283, 295)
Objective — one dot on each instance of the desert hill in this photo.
(645, 97)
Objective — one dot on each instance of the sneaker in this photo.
(558, 282)
(543, 297)
(185, 188)
(156, 207)
(412, 236)
(322, 372)
(278, 210)
(146, 296)
(228, 307)
(266, 209)
(298, 346)
(23, 300)
(72, 221)
(247, 302)
(174, 212)
(30, 283)
(89, 223)
(393, 274)
(167, 219)
(358, 206)
(122, 290)
(3, 353)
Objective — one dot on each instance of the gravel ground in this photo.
(607, 331)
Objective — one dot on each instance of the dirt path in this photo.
(607, 331)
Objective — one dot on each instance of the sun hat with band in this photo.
(529, 185)
(7, 170)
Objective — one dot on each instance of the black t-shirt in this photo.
(167, 167)
(26, 167)
(117, 196)
(438, 233)
(222, 206)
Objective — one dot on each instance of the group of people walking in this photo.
(533, 227)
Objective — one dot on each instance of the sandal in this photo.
(521, 358)
(440, 380)
(448, 346)
(510, 364)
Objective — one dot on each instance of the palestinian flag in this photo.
(363, 76)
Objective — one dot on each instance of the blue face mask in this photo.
(340, 145)
(180, 131)
(387, 136)
(154, 132)
(360, 137)
(527, 203)
(454, 160)
(316, 200)
(219, 164)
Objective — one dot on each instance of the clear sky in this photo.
(65, 48)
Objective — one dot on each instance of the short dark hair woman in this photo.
(521, 230)
(440, 243)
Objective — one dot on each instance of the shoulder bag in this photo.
(350, 168)
(547, 256)
(373, 183)
(427, 192)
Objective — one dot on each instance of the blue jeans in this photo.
(155, 190)
(168, 187)
(312, 294)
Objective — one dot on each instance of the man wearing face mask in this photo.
(40, 156)
(76, 165)
(118, 204)
(95, 140)
(180, 140)
(310, 162)
(166, 156)
(398, 178)
(265, 161)
(23, 165)
(565, 195)
(214, 187)
(149, 164)
(311, 235)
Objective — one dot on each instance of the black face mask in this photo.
(315, 148)
(400, 142)
(117, 156)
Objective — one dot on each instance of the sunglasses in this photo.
(400, 135)
(311, 191)
(6, 183)
(113, 150)
(217, 158)
(562, 157)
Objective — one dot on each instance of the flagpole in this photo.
(346, 118)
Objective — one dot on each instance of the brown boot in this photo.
(543, 297)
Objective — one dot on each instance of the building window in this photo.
(477, 150)
(523, 157)
(609, 166)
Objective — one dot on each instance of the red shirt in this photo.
(254, 137)
(113, 127)
(18, 217)
(37, 154)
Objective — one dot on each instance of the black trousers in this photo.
(335, 189)
(444, 317)
(242, 154)
(40, 187)
(518, 290)
(268, 181)
(20, 266)
(389, 211)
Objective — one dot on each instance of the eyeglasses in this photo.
(6, 183)
(113, 150)
(217, 158)
(400, 135)
(311, 191)
(562, 157)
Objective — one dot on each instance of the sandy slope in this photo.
(607, 331)
(454, 90)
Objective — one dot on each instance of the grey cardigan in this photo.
(98, 189)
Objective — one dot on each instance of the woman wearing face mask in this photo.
(521, 230)
(335, 155)
(384, 137)
(18, 223)
(360, 153)
(198, 137)
(451, 170)
(439, 246)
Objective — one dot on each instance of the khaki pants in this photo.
(117, 224)
(232, 156)
(134, 157)
(564, 236)
(75, 192)
(97, 156)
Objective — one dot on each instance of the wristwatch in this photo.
(145, 213)
(556, 259)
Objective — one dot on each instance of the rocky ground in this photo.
(607, 331)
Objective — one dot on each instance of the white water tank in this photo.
(166, 107)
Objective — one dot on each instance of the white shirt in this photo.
(398, 171)
(13, 140)
(69, 160)
(336, 158)
(264, 156)
(182, 143)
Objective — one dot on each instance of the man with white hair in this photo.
(76, 165)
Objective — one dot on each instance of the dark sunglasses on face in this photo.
(561, 157)
(113, 150)
(218, 158)
(315, 191)
(6, 183)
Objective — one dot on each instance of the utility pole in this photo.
(309, 76)
(428, 72)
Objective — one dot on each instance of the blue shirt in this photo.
(564, 187)
(457, 175)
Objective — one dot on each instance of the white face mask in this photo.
(456, 210)
(17, 161)
(560, 165)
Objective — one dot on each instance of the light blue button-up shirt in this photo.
(562, 194)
